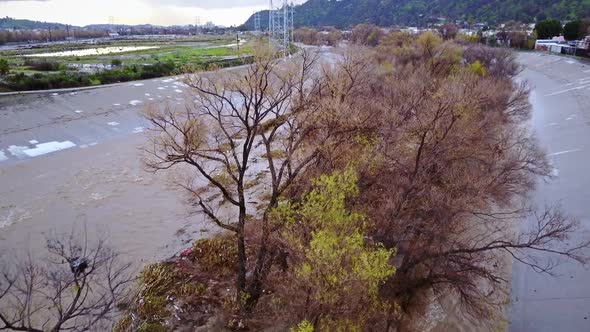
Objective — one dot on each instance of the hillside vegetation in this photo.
(344, 13)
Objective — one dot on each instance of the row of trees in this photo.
(20, 36)
(423, 166)
(310, 36)
(573, 30)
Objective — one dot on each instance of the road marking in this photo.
(562, 152)
(566, 90)
(3, 156)
(113, 124)
(135, 102)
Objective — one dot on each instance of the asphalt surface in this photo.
(561, 120)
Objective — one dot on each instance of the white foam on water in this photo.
(55, 94)
(178, 91)
(138, 130)
(135, 102)
(92, 144)
(3, 156)
(116, 104)
(150, 99)
(17, 151)
(113, 123)
(34, 141)
(161, 88)
(168, 80)
(562, 152)
(138, 84)
(555, 172)
(78, 111)
(570, 62)
(84, 146)
(49, 147)
(147, 94)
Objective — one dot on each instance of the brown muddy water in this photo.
(102, 188)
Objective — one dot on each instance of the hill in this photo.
(344, 13)
(12, 23)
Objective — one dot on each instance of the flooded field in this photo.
(94, 51)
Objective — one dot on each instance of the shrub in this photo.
(4, 67)
(336, 272)
(42, 65)
(217, 254)
(116, 62)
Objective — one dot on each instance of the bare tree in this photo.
(75, 288)
(243, 137)
(450, 171)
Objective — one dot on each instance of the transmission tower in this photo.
(280, 23)
(257, 22)
(197, 24)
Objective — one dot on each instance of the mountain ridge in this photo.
(345, 13)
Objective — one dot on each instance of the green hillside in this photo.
(12, 23)
(344, 13)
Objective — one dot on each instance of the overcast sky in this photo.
(159, 12)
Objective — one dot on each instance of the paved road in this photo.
(561, 119)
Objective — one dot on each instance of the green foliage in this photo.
(156, 279)
(344, 14)
(304, 326)
(338, 265)
(478, 69)
(42, 65)
(116, 62)
(548, 28)
(217, 254)
(4, 67)
(576, 30)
